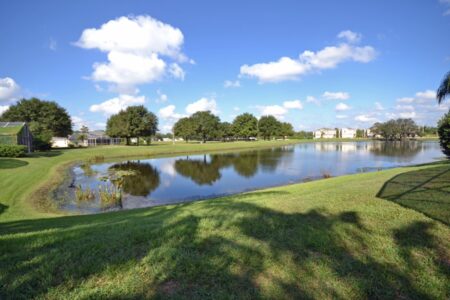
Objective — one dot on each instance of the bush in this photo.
(12, 150)
(42, 141)
(444, 133)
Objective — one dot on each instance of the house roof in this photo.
(11, 128)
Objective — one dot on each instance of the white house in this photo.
(60, 142)
(325, 133)
(348, 133)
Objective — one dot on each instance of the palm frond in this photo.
(444, 89)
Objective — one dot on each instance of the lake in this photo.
(159, 181)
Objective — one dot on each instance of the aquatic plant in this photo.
(326, 175)
(84, 195)
(96, 159)
(110, 196)
(87, 169)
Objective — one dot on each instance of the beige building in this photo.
(325, 133)
(347, 133)
(60, 142)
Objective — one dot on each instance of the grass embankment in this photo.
(333, 238)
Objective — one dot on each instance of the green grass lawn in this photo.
(344, 237)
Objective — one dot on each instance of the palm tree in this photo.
(444, 89)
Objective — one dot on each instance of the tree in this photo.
(338, 132)
(46, 119)
(286, 129)
(396, 129)
(245, 126)
(269, 127)
(360, 133)
(444, 89)
(206, 125)
(225, 131)
(84, 133)
(134, 122)
(185, 128)
(116, 126)
(444, 133)
(304, 135)
(141, 122)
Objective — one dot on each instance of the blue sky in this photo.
(312, 63)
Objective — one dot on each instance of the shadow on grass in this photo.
(3, 208)
(49, 153)
(426, 190)
(216, 249)
(10, 163)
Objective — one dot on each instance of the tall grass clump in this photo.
(82, 195)
(96, 159)
(110, 197)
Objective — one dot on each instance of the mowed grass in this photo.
(328, 239)
(426, 190)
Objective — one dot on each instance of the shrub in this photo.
(444, 133)
(42, 141)
(12, 150)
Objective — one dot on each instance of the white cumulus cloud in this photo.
(294, 104)
(342, 106)
(176, 71)
(378, 106)
(312, 99)
(273, 110)
(162, 98)
(287, 68)
(350, 36)
(336, 95)
(9, 90)
(202, 104)
(168, 113)
(134, 46)
(3, 108)
(116, 104)
(404, 107)
(365, 118)
(408, 114)
(231, 84)
(427, 96)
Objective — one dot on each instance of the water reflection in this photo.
(403, 150)
(207, 169)
(175, 179)
(202, 171)
(143, 178)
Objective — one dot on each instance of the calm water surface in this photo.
(160, 181)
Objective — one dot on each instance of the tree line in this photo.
(205, 126)
(398, 129)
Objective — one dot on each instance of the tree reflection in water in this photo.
(143, 178)
(207, 171)
(201, 172)
(403, 150)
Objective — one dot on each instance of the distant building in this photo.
(60, 142)
(16, 133)
(370, 134)
(347, 133)
(325, 133)
(94, 138)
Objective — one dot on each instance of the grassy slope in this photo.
(334, 238)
